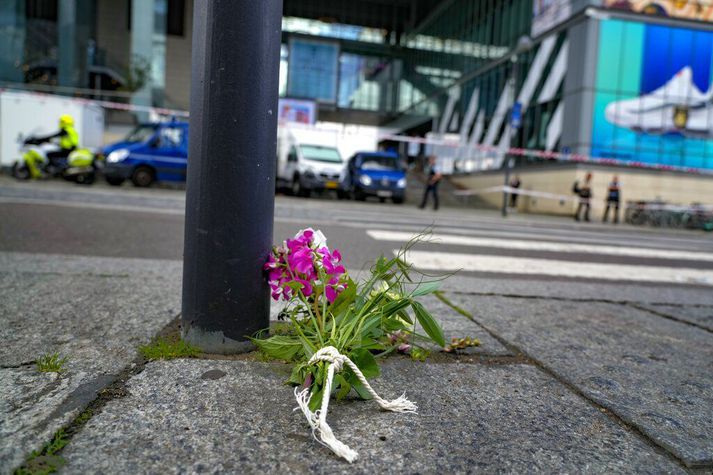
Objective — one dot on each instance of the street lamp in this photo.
(524, 44)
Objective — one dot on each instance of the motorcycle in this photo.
(80, 166)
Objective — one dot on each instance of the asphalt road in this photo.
(61, 218)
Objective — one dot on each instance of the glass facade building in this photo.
(621, 79)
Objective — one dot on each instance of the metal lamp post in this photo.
(524, 44)
(231, 172)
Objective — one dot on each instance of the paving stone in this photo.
(699, 315)
(471, 418)
(651, 371)
(456, 325)
(95, 319)
(564, 289)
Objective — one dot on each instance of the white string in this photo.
(318, 419)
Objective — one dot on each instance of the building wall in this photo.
(113, 36)
(178, 64)
(636, 185)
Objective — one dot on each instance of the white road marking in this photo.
(565, 247)
(448, 261)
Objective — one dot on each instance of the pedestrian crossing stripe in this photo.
(562, 247)
(448, 261)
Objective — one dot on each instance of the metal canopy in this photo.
(400, 16)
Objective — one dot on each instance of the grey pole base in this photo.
(215, 342)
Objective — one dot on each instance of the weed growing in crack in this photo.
(442, 297)
(162, 348)
(51, 363)
(45, 460)
(83, 417)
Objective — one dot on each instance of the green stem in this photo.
(306, 304)
(295, 323)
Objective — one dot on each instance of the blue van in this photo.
(379, 174)
(150, 153)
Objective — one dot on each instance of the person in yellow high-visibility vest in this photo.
(68, 142)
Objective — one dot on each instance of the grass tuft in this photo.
(83, 417)
(162, 348)
(45, 460)
(51, 363)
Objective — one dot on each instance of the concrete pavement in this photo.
(572, 374)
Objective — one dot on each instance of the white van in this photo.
(309, 160)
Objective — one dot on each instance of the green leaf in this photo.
(357, 386)
(395, 306)
(295, 286)
(425, 288)
(344, 386)
(316, 401)
(366, 362)
(280, 347)
(298, 375)
(370, 324)
(345, 299)
(430, 326)
(405, 317)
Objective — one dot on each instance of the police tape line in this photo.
(544, 154)
(515, 191)
(547, 154)
(107, 104)
(644, 206)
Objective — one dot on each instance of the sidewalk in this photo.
(566, 380)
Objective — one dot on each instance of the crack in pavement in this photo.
(611, 414)
(91, 397)
(669, 317)
(629, 303)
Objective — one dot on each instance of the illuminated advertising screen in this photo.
(653, 99)
(690, 9)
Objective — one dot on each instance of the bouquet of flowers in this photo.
(338, 329)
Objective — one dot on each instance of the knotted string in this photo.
(318, 419)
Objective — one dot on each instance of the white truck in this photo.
(308, 160)
(25, 114)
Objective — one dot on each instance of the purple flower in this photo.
(305, 259)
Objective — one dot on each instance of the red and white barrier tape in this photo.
(645, 206)
(548, 154)
(515, 191)
(107, 104)
(545, 154)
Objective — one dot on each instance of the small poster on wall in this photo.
(297, 110)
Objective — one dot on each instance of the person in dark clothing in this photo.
(433, 175)
(585, 196)
(613, 197)
(514, 183)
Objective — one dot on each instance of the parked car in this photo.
(309, 161)
(379, 174)
(150, 153)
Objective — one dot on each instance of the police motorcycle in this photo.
(80, 166)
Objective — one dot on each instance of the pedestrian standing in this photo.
(514, 183)
(584, 192)
(613, 196)
(433, 177)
